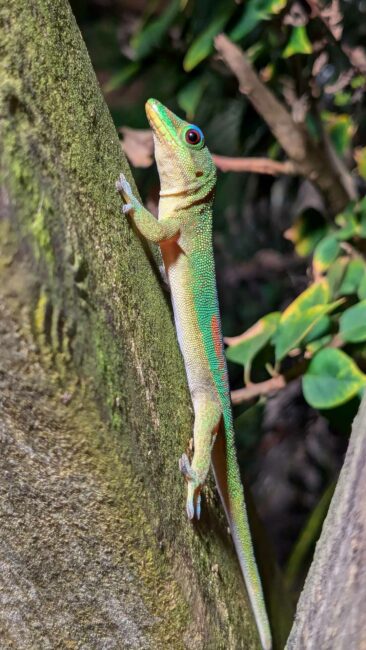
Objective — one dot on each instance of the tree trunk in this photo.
(100, 304)
(331, 613)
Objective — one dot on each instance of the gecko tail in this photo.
(236, 514)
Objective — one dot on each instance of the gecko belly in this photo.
(189, 335)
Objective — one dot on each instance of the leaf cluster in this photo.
(321, 335)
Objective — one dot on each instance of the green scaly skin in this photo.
(184, 233)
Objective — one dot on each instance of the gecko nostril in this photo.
(199, 173)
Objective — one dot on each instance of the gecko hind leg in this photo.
(207, 419)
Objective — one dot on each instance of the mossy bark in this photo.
(101, 303)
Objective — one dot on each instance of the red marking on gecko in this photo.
(216, 335)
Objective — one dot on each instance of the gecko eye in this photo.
(194, 136)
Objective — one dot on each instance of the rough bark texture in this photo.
(79, 563)
(331, 612)
(100, 304)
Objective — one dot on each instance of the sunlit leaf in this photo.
(331, 379)
(326, 252)
(244, 348)
(352, 323)
(317, 294)
(298, 43)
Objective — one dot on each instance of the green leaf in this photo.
(317, 294)
(352, 323)
(244, 348)
(319, 330)
(151, 34)
(190, 96)
(254, 12)
(250, 18)
(293, 329)
(307, 231)
(298, 43)
(325, 254)
(202, 46)
(348, 224)
(336, 274)
(341, 99)
(300, 317)
(352, 277)
(340, 129)
(360, 157)
(318, 344)
(361, 291)
(331, 379)
(122, 76)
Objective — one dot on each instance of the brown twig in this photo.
(254, 165)
(308, 159)
(252, 391)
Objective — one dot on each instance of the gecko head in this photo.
(182, 156)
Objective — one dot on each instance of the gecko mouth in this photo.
(159, 120)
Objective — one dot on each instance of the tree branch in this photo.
(261, 389)
(255, 165)
(312, 161)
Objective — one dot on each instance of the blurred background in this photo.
(265, 225)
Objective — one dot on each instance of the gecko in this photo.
(183, 231)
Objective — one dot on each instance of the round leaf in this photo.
(352, 323)
(331, 379)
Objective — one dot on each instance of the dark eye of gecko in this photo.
(193, 136)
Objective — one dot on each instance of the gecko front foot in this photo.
(194, 488)
(124, 188)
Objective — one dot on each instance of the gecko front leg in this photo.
(151, 228)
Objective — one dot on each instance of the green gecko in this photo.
(184, 233)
